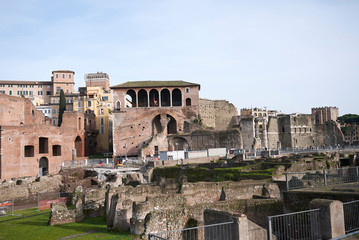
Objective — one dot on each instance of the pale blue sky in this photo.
(286, 55)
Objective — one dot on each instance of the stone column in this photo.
(256, 128)
(136, 100)
(331, 217)
(242, 224)
(170, 98)
(148, 99)
(159, 99)
(265, 133)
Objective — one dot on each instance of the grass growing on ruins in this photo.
(36, 228)
(200, 174)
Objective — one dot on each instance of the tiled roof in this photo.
(146, 84)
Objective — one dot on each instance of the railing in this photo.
(299, 225)
(351, 216)
(317, 178)
(30, 204)
(219, 231)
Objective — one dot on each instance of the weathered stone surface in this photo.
(94, 202)
(60, 214)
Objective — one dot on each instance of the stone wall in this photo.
(145, 202)
(217, 114)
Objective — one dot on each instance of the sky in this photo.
(283, 55)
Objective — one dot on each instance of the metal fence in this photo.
(295, 180)
(219, 231)
(30, 204)
(299, 225)
(351, 216)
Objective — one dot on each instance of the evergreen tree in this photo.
(62, 106)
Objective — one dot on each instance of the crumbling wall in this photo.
(125, 203)
(217, 113)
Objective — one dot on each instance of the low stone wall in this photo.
(169, 163)
(298, 200)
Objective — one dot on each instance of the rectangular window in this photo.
(187, 90)
(26, 93)
(39, 86)
(10, 92)
(19, 85)
(54, 122)
(102, 121)
(56, 150)
(102, 129)
(89, 103)
(63, 75)
(43, 145)
(78, 104)
(31, 86)
(69, 75)
(58, 89)
(57, 75)
(39, 93)
(2, 92)
(10, 85)
(31, 93)
(19, 93)
(48, 93)
(29, 151)
(25, 86)
(54, 110)
(105, 98)
(2, 85)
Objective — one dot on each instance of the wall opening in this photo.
(154, 98)
(118, 105)
(188, 102)
(78, 146)
(56, 150)
(165, 98)
(131, 99)
(172, 125)
(43, 166)
(142, 98)
(176, 97)
(29, 151)
(43, 145)
(156, 125)
(191, 234)
(179, 143)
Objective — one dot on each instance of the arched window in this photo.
(176, 97)
(188, 102)
(171, 125)
(142, 98)
(154, 98)
(165, 98)
(131, 99)
(118, 105)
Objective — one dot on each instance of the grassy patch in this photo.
(36, 228)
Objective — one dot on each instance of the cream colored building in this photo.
(98, 101)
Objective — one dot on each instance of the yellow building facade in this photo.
(97, 100)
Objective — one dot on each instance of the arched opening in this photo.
(179, 143)
(171, 125)
(78, 146)
(43, 166)
(131, 99)
(156, 125)
(118, 105)
(176, 97)
(188, 102)
(142, 98)
(192, 232)
(154, 98)
(165, 98)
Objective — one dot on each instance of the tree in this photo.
(62, 106)
(349, 118)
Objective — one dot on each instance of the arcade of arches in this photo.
(154, 98)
